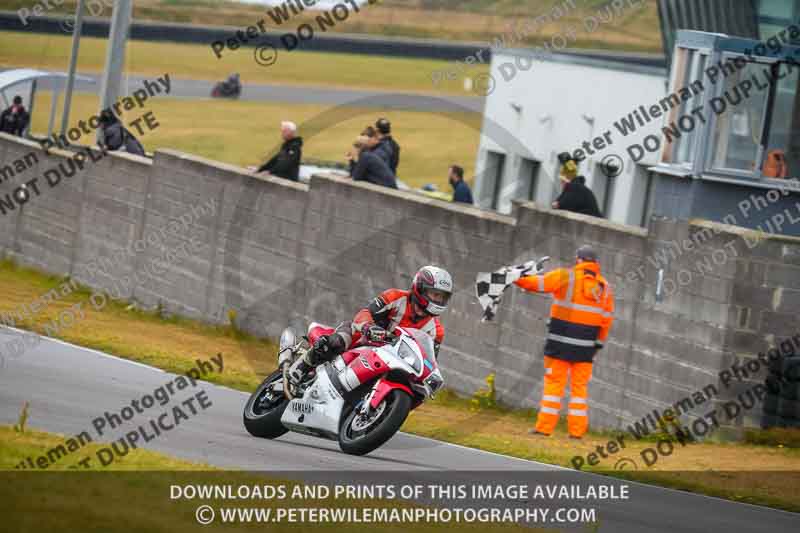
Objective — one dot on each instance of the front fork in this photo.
(293, 371)
(366, 406)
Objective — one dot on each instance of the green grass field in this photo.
(192, 61)
(633, 28)
(243, 133)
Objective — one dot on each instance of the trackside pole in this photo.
(73, 63)
(115, 54)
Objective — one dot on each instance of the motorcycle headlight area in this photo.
(434, 382)
(410, 356)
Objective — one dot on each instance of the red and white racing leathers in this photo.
(390, 310)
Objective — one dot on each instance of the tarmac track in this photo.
(69, 386)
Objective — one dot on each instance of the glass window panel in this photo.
(777, 8)
(738, 130)
(682, 65)
(686, 145)
(782, 158)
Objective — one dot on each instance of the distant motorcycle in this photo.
(223, 89)
(361, 398)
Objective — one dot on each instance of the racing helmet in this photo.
(431, 289)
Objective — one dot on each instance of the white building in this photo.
(542, 106)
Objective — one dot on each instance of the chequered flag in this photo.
(489, 286)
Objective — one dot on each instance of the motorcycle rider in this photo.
(232, 85)
(419, 308)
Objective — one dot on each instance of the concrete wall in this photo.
(280, 252)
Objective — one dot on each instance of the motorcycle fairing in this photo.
(383, 388)
(318, 411)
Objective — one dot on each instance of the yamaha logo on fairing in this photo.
(305, 408)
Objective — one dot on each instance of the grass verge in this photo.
(762, 474)
(135, 495)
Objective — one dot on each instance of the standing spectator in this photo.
(576, 196)
(379, 146)
(371, 135)
(461, 191)
(368, 166)
(116, 137)
(15, 119)
(384, 128)
(286, 163)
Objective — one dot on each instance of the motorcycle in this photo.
(223, 89)
(360, 398)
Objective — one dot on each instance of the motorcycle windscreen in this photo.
(419, 350)
(425, 342)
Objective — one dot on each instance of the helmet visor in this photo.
(437, 296)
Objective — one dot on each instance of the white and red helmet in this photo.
(431, 289)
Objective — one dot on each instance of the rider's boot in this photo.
(297, 372)
(325, 349)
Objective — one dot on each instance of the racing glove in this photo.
(327, 347)
(373, 333)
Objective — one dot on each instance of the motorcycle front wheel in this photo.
(264, 409)
(361, 434)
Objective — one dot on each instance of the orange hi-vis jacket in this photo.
(582, 310)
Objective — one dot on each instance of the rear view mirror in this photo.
(288, 339)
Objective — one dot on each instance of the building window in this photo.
(775, 15)
(529, 178)
(739, 127)
(495, 165)
(733, 109)
(603, 187)
(689, 67)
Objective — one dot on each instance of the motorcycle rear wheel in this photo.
(360, 437)
(262, 416)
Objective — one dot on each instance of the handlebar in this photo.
(390, 338)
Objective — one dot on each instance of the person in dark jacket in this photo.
(461, 191)
(388, 144)
(576, 196)
(368, 166)
(15, 119)
(286, 163)
(114, 136)
(378, 146)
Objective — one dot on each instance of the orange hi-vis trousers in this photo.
(556, 372)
